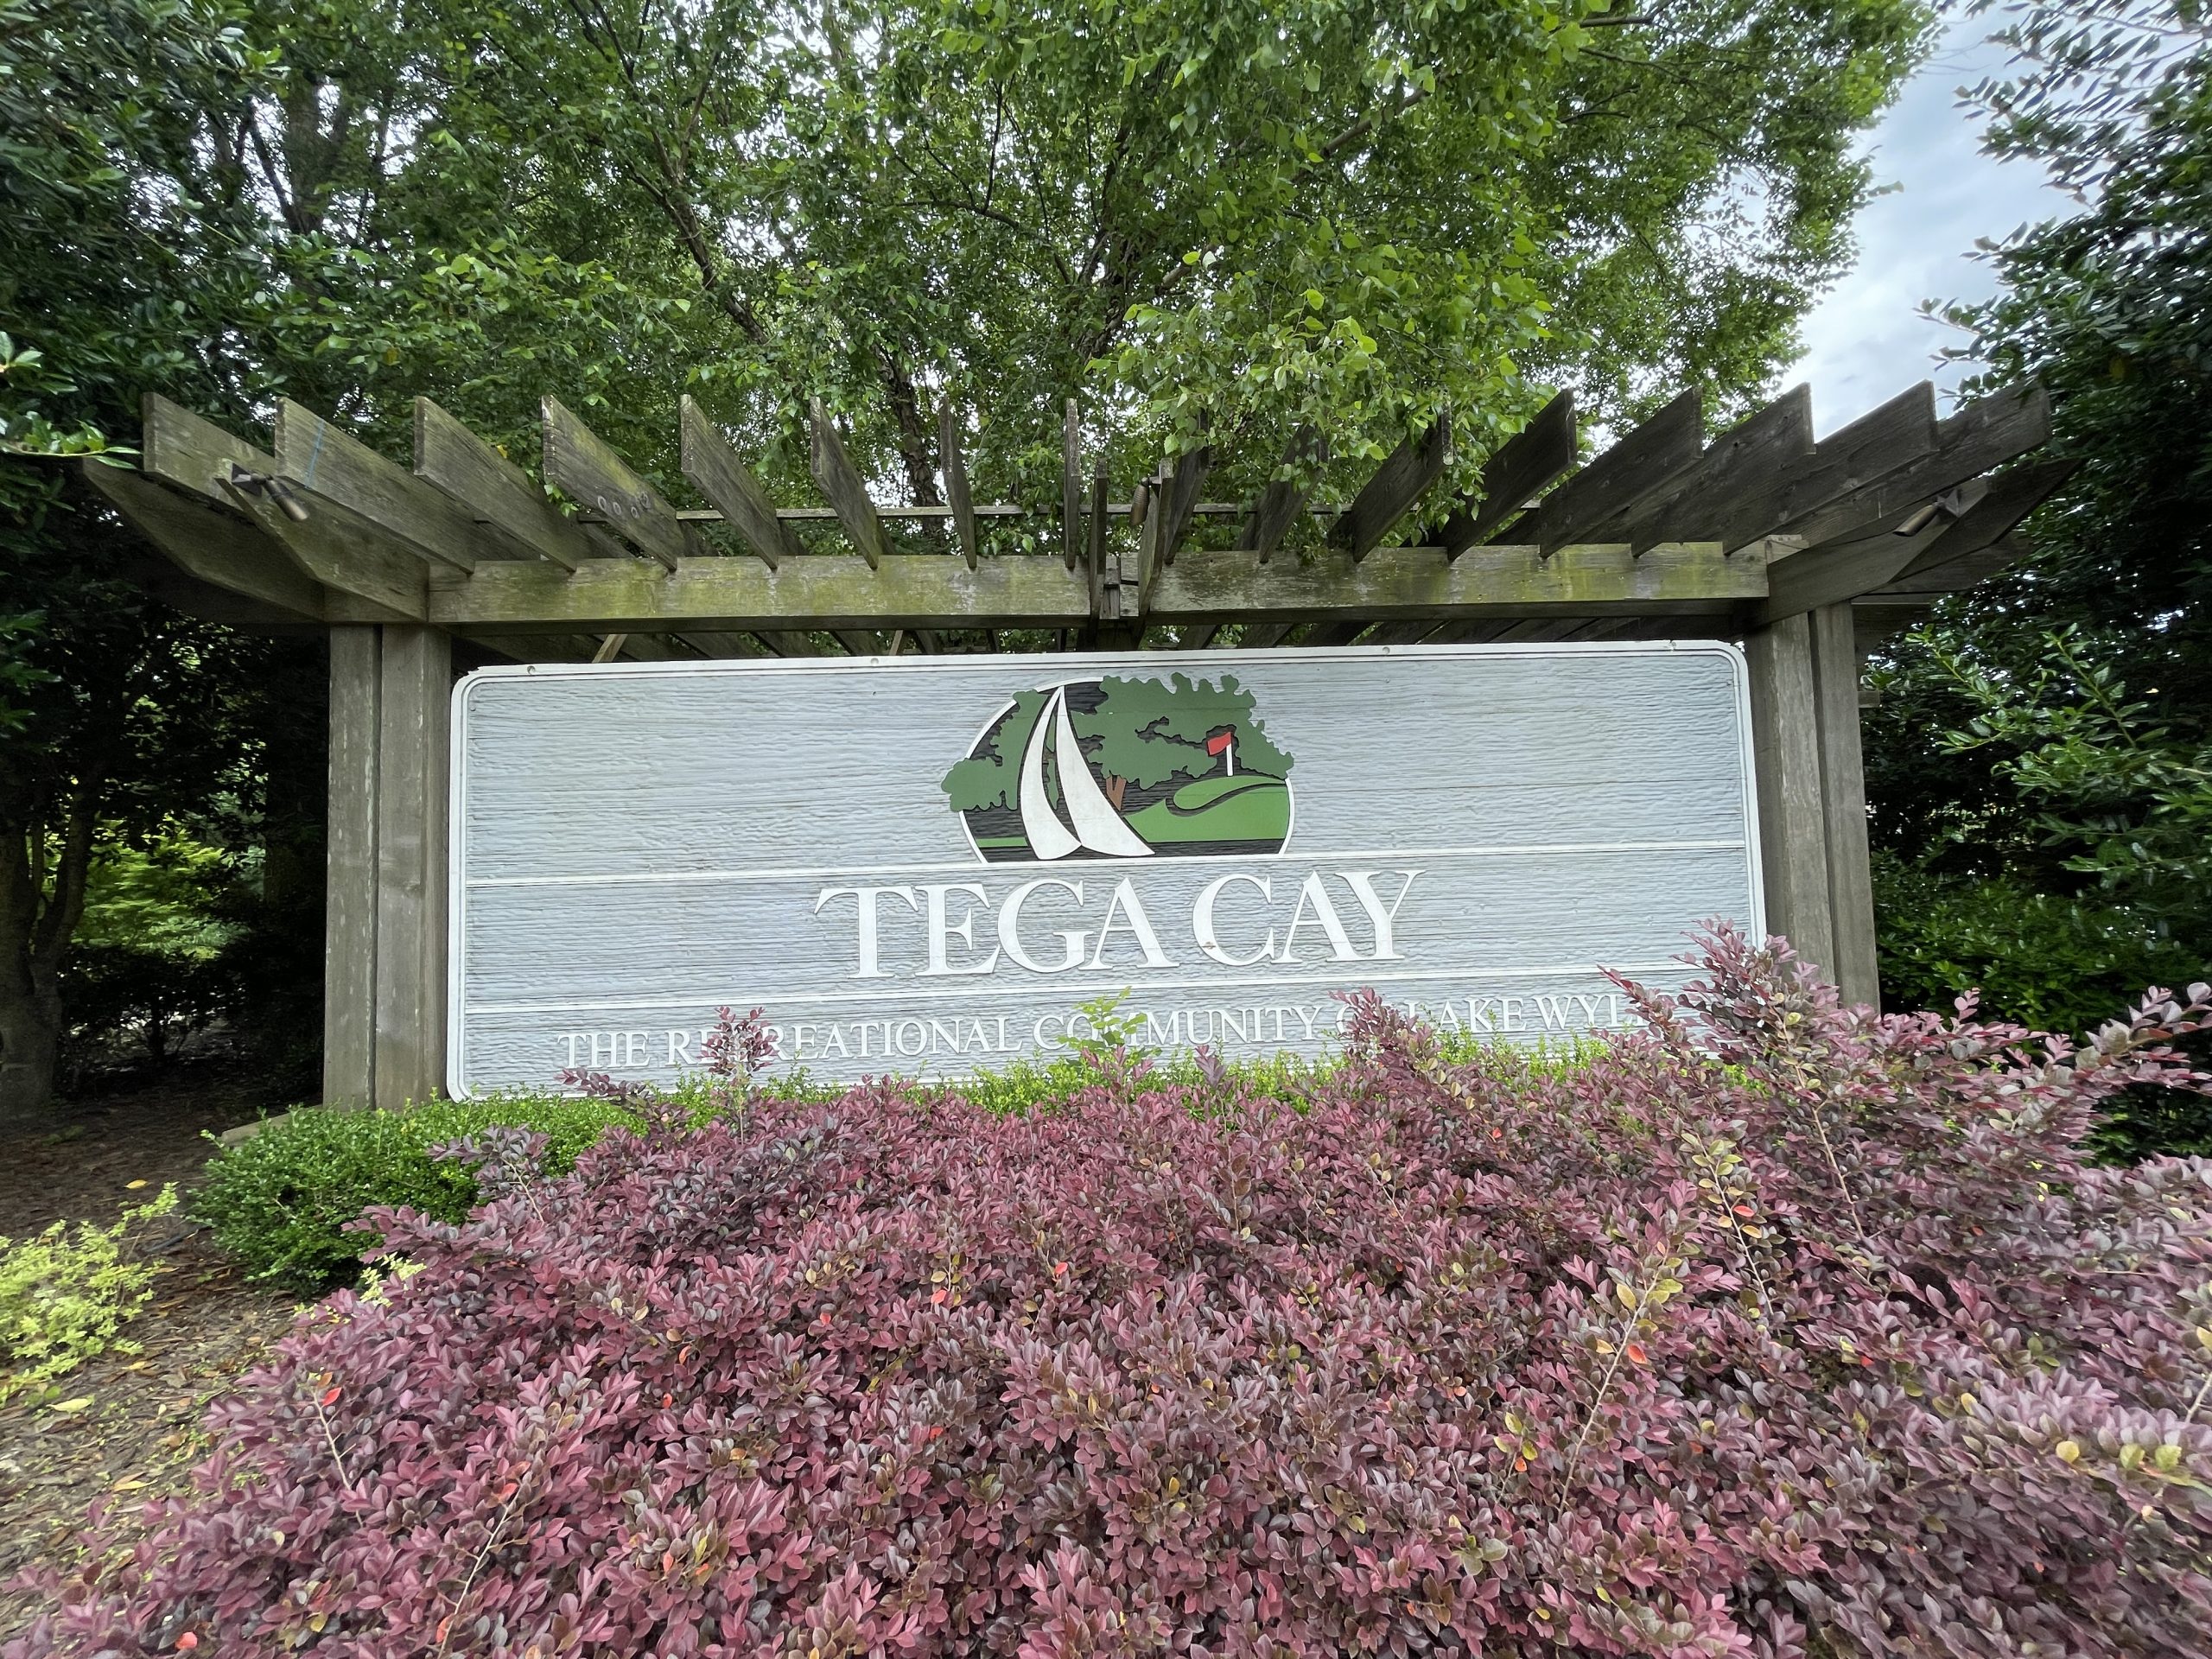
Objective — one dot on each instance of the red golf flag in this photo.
(1215, 745)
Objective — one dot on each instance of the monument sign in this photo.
(927, 865)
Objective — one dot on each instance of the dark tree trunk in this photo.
(40, 905)
(30, 1049)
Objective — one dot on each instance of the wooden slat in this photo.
(1985, 434)
(1272, 511)
(492, 489)
(338, 467)
(1537, 630)
(581, 464)
(1397, 484)
(216, 548)
(721, 645)
(1758, 448)
(537, 647)
(1620, 478)
(1523, 465)
(1410, 632)
(1334, 633)
(713, 467)
(1148, 564)
(841, 484)
(2012, 496)
(1258, 636)
(1071, 486)
(371, 575)
(909, 590)
(1189, 480)
(1197, 636)
(179, 448)
(1872, 446)
(1839, 571)
(188, 595)
(956, 484)
(1410, 582)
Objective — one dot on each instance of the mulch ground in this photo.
(139, 1435)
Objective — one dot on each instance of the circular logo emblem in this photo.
(1115, 768)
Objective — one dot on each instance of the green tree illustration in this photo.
(1147, 733)
(988, 777)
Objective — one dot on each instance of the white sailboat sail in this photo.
(1098, 827)
(1048, 836)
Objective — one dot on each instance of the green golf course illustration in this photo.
(1124, 768)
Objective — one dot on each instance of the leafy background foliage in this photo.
(1208, 222)
(2041, 766)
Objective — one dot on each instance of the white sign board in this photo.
(925, 864)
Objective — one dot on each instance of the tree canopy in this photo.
(1208, 222)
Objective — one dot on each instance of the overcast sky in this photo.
(1866, 341)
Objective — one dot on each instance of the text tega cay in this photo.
(1057, 924)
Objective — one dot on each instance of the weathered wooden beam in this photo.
(493, 490)
(1409, 633)
(372, 575)
(1334, 633)
(1853, 964)
(721, 645)
(349, 990)
(1838, 571)
(1792, 823)
(413, 780)
(1149, 562)
(1986, 434)
(1408, 582)
(1621, 478)
(961, 503)
(1872, 446)
(219, 548)
(1188, 479)
(1276, 507)
(1940, 551)
(841, 484)
(2012, 496)
(1398, 483)
(584, 465)
(179, 448)
(714, 468)
(338, 467)
(1758, 448)
(1531, 459)
(909, 590)
(1071, 486)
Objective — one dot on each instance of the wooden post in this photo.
(1793, 825)
(1843, 795)
(417, 685)
(384, 1005)
(349, 967)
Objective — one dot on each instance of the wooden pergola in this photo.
(1805, 552)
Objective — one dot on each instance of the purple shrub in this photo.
(1772, 1330)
